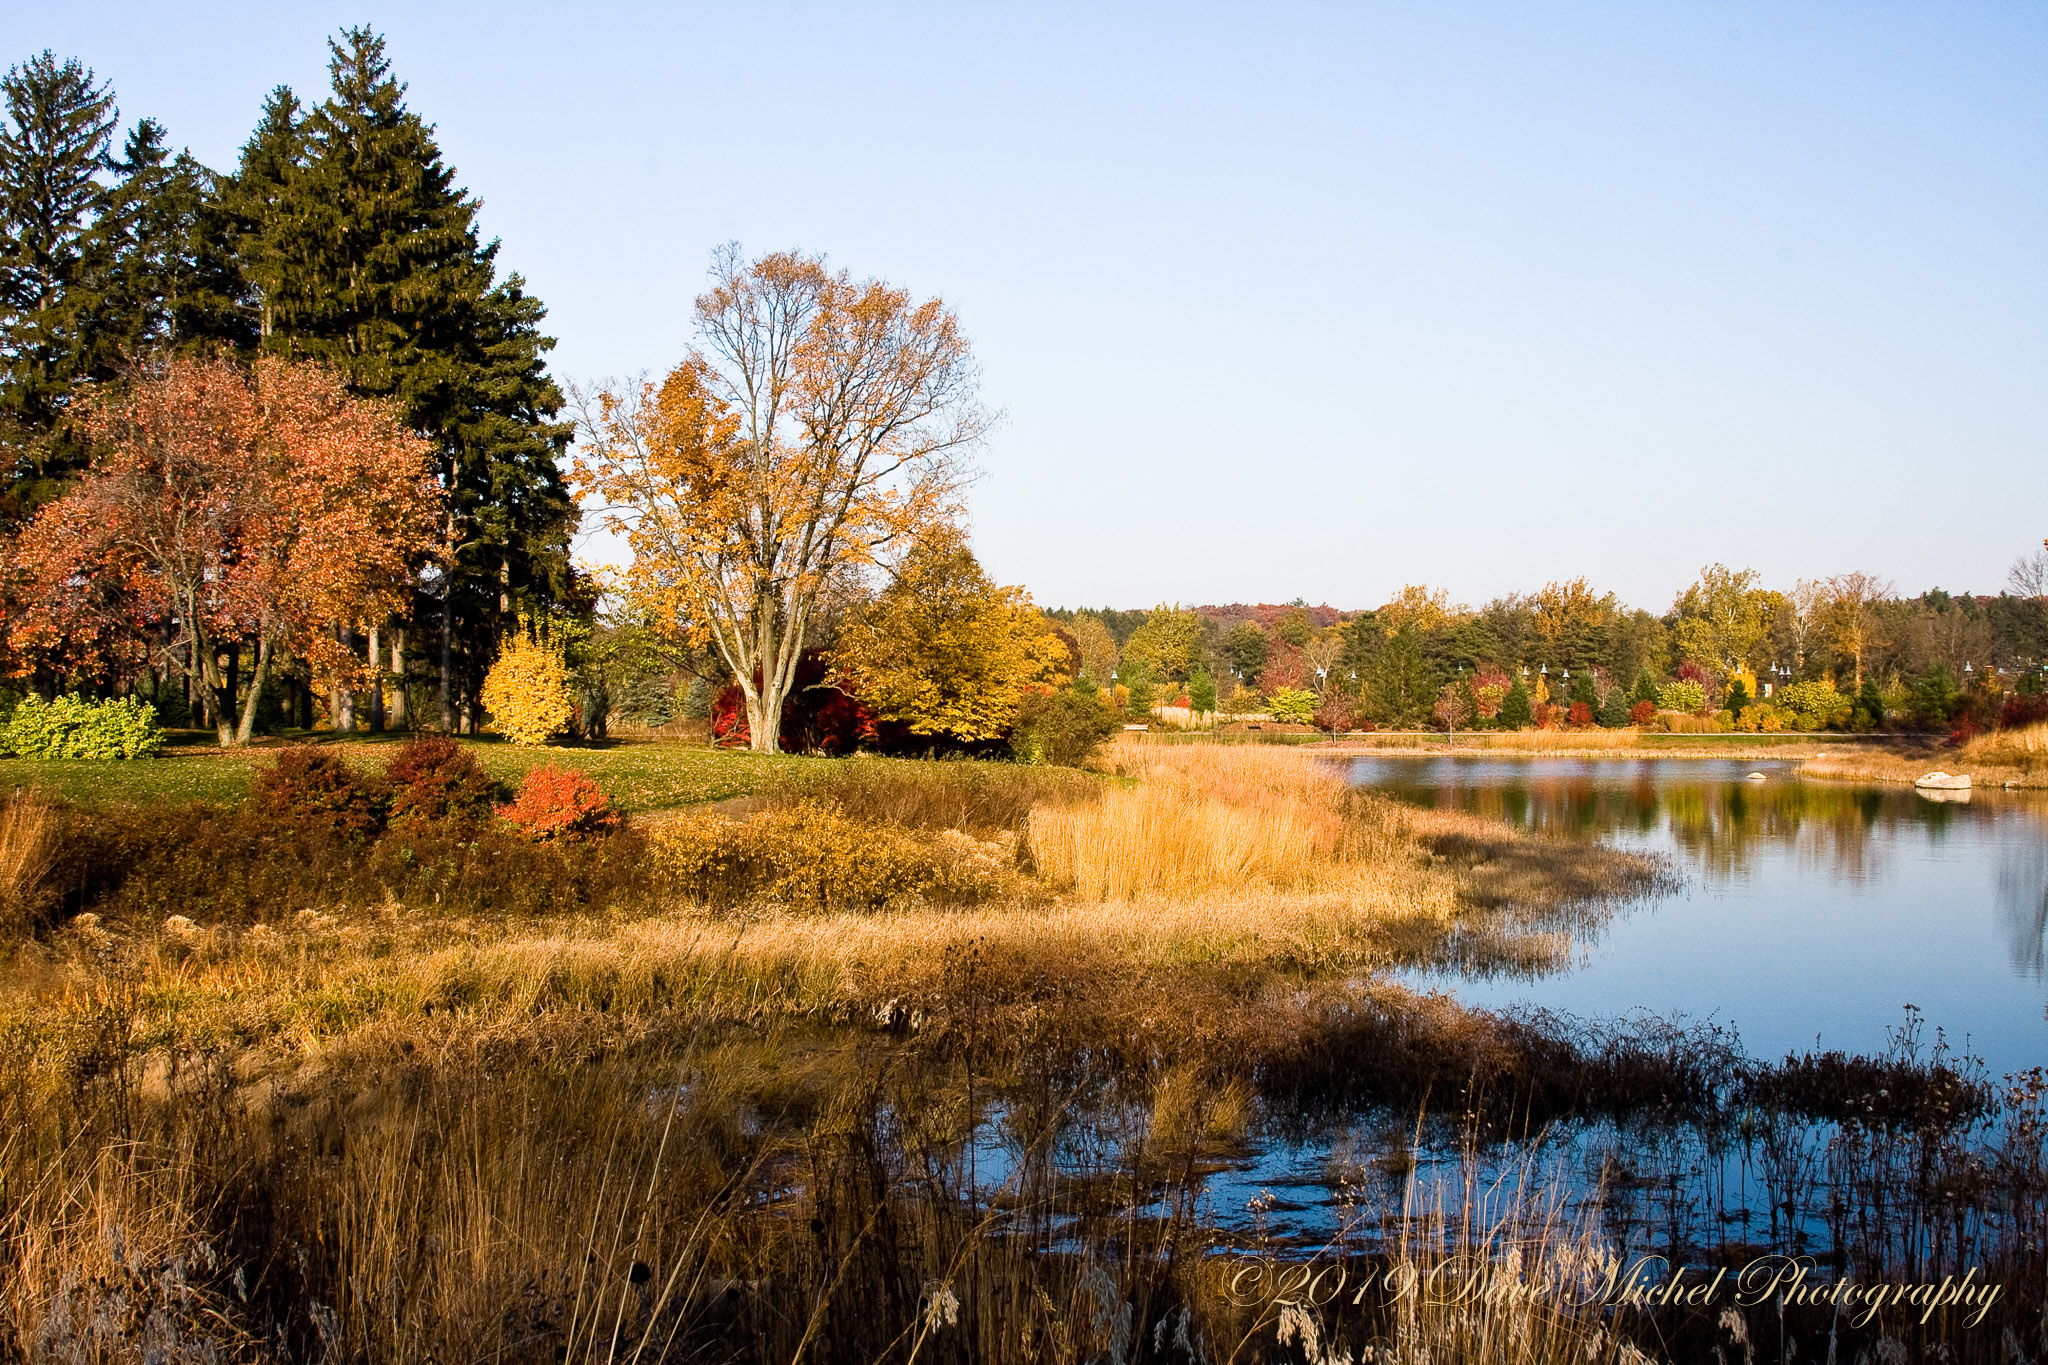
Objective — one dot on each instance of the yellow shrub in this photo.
(527, 693)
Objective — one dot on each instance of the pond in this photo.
(1809, 915)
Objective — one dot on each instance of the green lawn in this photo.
(640, 776)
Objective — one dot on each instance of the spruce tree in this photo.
(54, 264)
(1613, 712)
(1400, 688)
(174, 283)
(365, 254)
(1515, 711)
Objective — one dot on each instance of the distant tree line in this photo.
(1732, 649)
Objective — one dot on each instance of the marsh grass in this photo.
(545, 1160)
(2017, 758)
(1222, 821)
(28, 848)
(2025, 749)
(356, 1125)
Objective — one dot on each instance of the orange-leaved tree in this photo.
(225, 505)
(821, 421)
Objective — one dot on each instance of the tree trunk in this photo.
(447, 654)
(232, 691)
(340, 700)
(399, 709)
(376, 681)
(256, 680)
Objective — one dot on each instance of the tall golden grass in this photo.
(510, 1139)
(27, 848)
(1560, 741)
(1224, 821)
(2025, 749)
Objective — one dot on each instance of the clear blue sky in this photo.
(1301, 300)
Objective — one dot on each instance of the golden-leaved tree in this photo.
(946, 651)
(1167, 645)
(822, 421)
(1724, 616)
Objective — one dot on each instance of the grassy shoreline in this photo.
(727, 1114)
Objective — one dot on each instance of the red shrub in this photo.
(560, 802)
(431, 777)
(1337, 712)
(310, 787)
(729, 719)
(2019, 712)
(1549, 715)
(1642, 713)
(1580, 715)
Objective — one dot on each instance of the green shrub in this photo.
(1645, 688)
(1201, 690)
(1292, 704)
(1614, 712)
(697, 700)
(1685, 695)
(1814, 705)
(1516, 712)
(1062, 727)
(72, 727)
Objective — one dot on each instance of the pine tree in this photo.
(1401, 691)
(53, 263)
(364, 253)
(253, 201)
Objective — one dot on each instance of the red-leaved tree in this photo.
(225, 505)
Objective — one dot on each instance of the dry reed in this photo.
(2025, 749)
(1223, 821)
(27, 849)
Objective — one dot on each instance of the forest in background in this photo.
(340, 240)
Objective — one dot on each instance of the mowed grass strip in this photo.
(640, 776)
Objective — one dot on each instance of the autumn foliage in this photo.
(527, 693)
(311, 788)
(561, 803)
(819, 425)
(946, 651)
(431, 777)
(226, 504)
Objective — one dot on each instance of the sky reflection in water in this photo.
(1811, 913)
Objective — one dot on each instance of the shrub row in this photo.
(428, 778)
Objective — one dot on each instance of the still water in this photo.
(1809, 914)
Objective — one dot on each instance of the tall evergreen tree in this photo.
(365, 254)
(175, 284)
(102, 260)
(53, 263)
